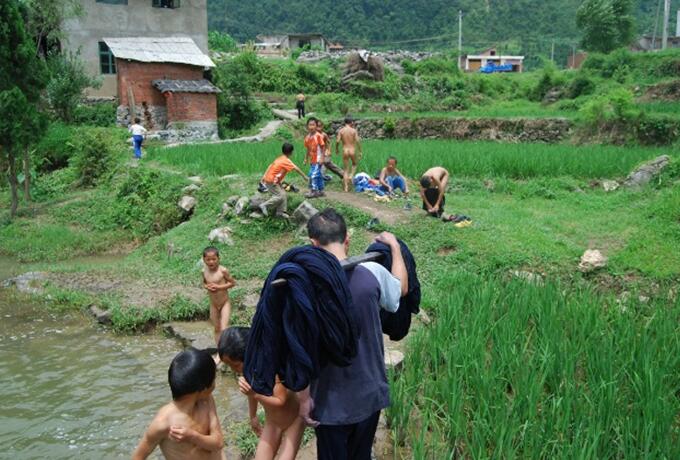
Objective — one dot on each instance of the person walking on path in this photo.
(138, 131)
(351, 150)
(344, 403)
(300, 105)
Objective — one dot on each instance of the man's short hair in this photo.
(191, 371)
(287, 148)
(348, 120)
(311, 119)
(233, 343)
(211, 250)
(426, 181)
(327, 227)
(393, 158)
(137, 120)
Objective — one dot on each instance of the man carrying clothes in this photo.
(432, 189)
(272, 180)
(347, 401)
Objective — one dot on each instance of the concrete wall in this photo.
(136, 19)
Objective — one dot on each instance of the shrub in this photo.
(100, 114)
(617, 106)
(55, 148)
(95, 151)
(330, 103)
(54, 184)
(580, 86)
(220, 41)
(657, 130)
(68, 80)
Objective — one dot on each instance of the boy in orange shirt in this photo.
(315, 145)
(272, 180)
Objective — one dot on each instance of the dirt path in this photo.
(386, 213)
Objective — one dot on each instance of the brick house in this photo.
(161, 81)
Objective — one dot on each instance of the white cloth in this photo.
(137, 130)
(390, 286)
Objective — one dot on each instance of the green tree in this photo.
(22, 78)
(219, 41)
(606, 24)
(44, 20)
(68, 80)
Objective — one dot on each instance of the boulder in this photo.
(647, 172)
(592, 260)
(241, 205)
(187, 203)
(191, 188)
(226, 210)
(304, 212)
(197, 180)
(221, 235)
(102, 316)
(257, 199)
(609, 185)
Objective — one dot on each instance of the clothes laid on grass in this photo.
(277, 171)
(363, 183)
(397, 324)
(432, 194)
(345, 395)
(300, 327)
(316, 182)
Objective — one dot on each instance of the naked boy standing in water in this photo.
(351, 150)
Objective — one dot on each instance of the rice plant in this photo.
(475, 159)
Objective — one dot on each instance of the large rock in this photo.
(592, 260)
(241, 205)
(191, 188)
(187, 203)
(304, 212)
(221, 235)
(648, 171)
(610, 185)
(257, 199)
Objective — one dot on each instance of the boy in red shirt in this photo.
(315, 145)
(272, 180)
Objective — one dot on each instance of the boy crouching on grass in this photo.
(188, 427)
(272, 180)
(283, 427)
(218, 281)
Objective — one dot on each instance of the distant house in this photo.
(474, 62)
(282, 44)
(160, 80)
(130, 18)
(650, 43)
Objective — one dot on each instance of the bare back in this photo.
(437, 172)
(349, 138)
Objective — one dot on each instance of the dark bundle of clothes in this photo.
(302, 325)
(396, 325)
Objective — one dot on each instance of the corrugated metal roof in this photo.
(180, 50)
(185, 86)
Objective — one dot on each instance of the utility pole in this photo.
(552, 52)
(460, 32)
(460, 38)
(666, 18)
(677, 25)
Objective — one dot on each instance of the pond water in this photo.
(71, 389)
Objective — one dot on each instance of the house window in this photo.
(165, 3)
(114, 2)
(107, 63)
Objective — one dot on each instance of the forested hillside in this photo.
(526, 25)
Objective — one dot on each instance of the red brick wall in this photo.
(139, 75)
(191, 107)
